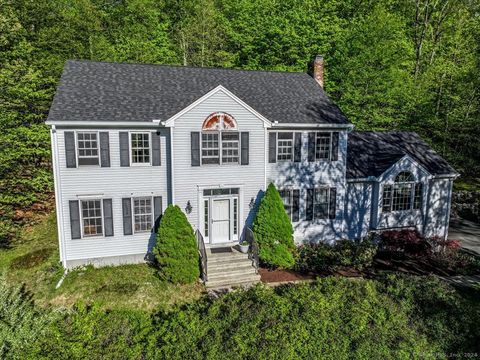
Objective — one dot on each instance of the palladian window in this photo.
(404, 194)
(220, 140)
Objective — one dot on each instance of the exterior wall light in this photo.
(188, 208)
(252, 203)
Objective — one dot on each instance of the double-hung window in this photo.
(220, 142)
(142, 214)
(404, 194)
(291, 203)
(92, 218)
(230, 144)
(287, 198)
(140, 145)
(210, 148)
(87, 143)
(285, 146)
(321, 202)
(323, 143)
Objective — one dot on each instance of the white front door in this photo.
(220, 221)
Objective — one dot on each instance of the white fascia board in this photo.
(171, 121)
(83, 124)
(367, 179)
(446, 176)
(306, 125)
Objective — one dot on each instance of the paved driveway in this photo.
(468, 232)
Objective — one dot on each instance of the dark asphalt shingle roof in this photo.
(104, 91)
(370, 153)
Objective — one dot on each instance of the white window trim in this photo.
(77, 148)
(292, 147)
(81, 217)
(130, 133)
(329, 159)
(220, 149)
(412, 197)
(328, 202)
(290, 190)
(152, 215)
(210, 198)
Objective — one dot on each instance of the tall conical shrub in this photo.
(176, 250)
(273, 231)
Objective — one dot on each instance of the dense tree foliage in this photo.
(396, 64)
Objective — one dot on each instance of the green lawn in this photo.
(33, 260)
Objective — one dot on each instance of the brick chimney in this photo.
(318, 69)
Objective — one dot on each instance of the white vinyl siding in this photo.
(114, 182)
(191, 180)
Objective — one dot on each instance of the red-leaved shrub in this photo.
(404, 241)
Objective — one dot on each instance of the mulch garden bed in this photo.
(413, 265)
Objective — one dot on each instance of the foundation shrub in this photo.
(344, 253)
(175, 252)
(407, 241)
(273, 231)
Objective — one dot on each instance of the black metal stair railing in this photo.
(203, 255)
(253, 250)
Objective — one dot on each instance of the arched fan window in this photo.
(219, 121)
(404, 194)
(220, 139)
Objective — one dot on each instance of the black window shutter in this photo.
(75, 219)
(156, 155)
(195, 148)
(296, 205)
(335, 146)
(332, 209)
(311, 146)
(298, 147)
(272, 147)
(70, 154)
(104, 149)
(108, 217)
(245, 148)
(309, 210)
(124, 149)
(127, 216)
(157, 211)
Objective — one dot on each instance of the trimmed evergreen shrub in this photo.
(273, 231)
(176, 250)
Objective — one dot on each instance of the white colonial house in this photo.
(129, 139)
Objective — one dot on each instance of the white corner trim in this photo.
(58, 197)
(171, 121)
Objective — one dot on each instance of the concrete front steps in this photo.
(230, 269)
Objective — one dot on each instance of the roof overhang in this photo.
(278, 125)
(112, 124)
(381, 177)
